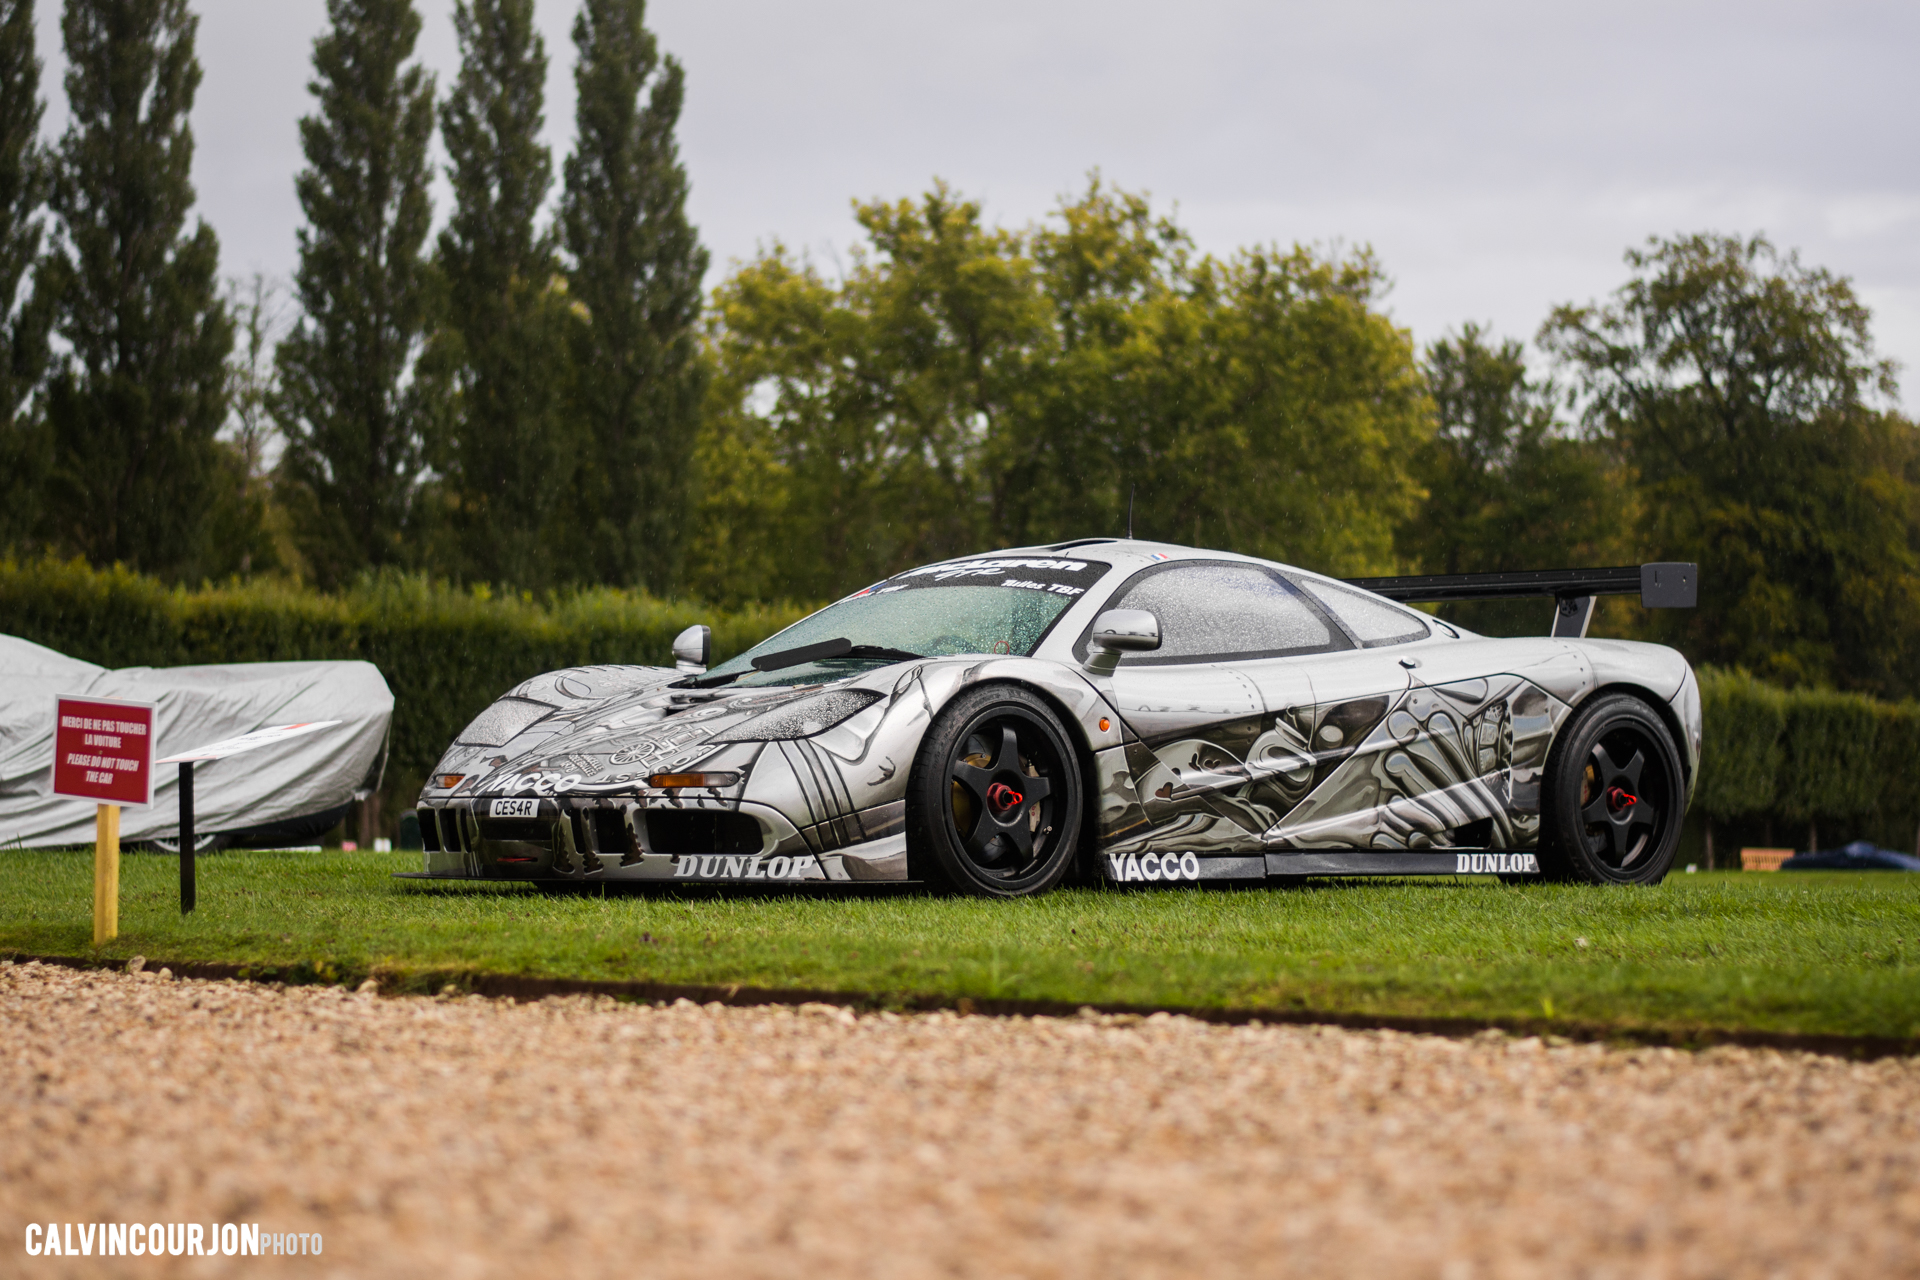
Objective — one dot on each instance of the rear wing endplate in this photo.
(1671, 585)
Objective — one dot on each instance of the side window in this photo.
(1374, 622)
(1218, 611)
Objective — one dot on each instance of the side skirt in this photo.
(1148, 868)
(1368, 863)
(1174, 868)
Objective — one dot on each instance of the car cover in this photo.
(300, 777)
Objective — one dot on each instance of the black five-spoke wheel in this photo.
(994, 804)
(1620, 822)
(1614, 795)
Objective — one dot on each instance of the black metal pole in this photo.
(186, 837)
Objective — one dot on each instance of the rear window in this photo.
(1373, 621)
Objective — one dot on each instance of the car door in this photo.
(1216, 764)
(1407, 757)
(1487, 723)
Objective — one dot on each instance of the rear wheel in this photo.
(993, 804)
(1613, 797)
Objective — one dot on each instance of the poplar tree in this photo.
(636, 270)
(135, 401)
(503, 461)
(345, 402)
(23, 320)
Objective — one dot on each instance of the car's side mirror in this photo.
(692, 649)
(1119, 631)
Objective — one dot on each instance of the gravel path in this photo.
(473, 1137)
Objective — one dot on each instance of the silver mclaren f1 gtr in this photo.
(1104, 709)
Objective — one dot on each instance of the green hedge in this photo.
(446, 652)
(1740, 762)
(1829, 768)
(1799, 756)
(1808, 755)
(1897, 743)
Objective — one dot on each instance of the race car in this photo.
(1104, 709)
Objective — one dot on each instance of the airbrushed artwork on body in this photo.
(1437, 767)
(1146, 713)
(1432, 769)
(828, 806)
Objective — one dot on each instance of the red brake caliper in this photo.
(1003, 797)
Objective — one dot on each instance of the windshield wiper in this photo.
(881, 651)
(840, 647)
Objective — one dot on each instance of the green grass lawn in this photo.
(1807, 953)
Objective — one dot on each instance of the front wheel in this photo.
(993, 804)
(1614, 796)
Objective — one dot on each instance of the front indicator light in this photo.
(693, 779)
(451, 780)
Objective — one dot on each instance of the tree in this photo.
(878, 400)
(967, 386)
(635, 272)
(506, 465)
(1290, 432)
(1742, 389)
(1508, 486)
(23, 321)
(136, 400)
(1260, 403)
(259, 308)
(252, 528)
(351, 418)
(1118, 281)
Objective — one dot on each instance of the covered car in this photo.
(289, 792)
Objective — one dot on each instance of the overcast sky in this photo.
(1498, 156)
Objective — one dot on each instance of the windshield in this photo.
(964, 606)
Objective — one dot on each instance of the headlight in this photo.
(801, 719)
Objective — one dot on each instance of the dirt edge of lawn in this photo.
(430, 981)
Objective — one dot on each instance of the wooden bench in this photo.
(1763, 859)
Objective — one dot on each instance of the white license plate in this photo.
(514, 809)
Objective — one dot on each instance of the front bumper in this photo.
(691, 841)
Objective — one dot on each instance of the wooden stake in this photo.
(106, 873)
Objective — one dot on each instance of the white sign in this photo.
(248, 741)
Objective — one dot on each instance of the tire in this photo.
(994, 799)
(1614, 797)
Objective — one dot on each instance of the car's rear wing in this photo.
(1661, 586)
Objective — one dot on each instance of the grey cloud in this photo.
(1499, 156)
